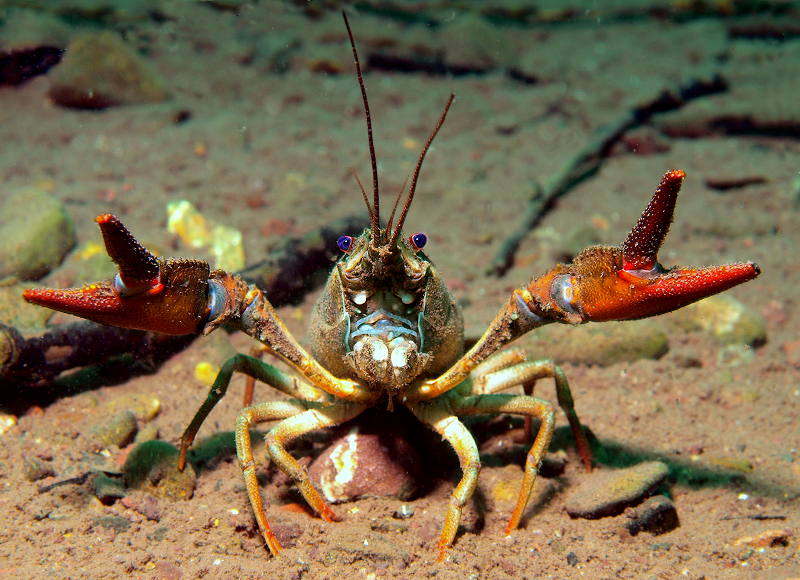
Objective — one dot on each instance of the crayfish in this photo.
(386, 330)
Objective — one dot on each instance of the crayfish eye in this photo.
(418, 241)
(345, 243)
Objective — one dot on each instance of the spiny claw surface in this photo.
(627, 282)
(139, 270)
(169, 296)
(641, 245)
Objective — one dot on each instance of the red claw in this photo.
(625, 283)
(169, 296)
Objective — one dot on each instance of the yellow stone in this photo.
(206, 373)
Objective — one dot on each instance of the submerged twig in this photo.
(588, 159)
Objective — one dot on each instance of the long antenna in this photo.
(375, 214)
(402, 218)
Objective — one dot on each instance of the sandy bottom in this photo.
(269, 155)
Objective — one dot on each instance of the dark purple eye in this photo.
(344, 243)
(418, 240)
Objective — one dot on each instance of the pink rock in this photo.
(366, 464)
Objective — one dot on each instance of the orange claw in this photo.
(169, 296)
(625, 283)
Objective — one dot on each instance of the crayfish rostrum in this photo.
(387, 331)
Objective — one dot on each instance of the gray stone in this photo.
(602, 344)
(101, 70)
(36, 469)
(609, 492)
(36, 233)
(106, 489)
(656, 515)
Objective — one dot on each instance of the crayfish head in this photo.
(386, 317)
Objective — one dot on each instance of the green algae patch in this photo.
(152, 466)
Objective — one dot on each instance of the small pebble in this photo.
(405, 511)
(387, 525)
(116, 523)
(6, 423)
(119, 430)
(609, 492)
(146, 433)
(767, 539)
(145, 407)
(36, 469)
(656, 515)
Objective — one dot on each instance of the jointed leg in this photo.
(451, 429)
(254, 368)
(518, 405)
(503, 359)
(300, 417)
(250, 384)
(526, 374)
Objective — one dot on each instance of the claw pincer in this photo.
(627, 282)
(169, 296)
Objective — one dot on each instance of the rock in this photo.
(101, 70)
(359, 545)
(502, 485)
(146, 433)
(153, 467)
(404, 512)
(106, 489)
(18, 317)
(36, 233)
(119, 430)
(118, 524)
(387, 525)
(768, 539)
(729, 321)
(366, 463)
(656, 515)
(602, 344)
(36, 469)
(609, 492)
(144, 407)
